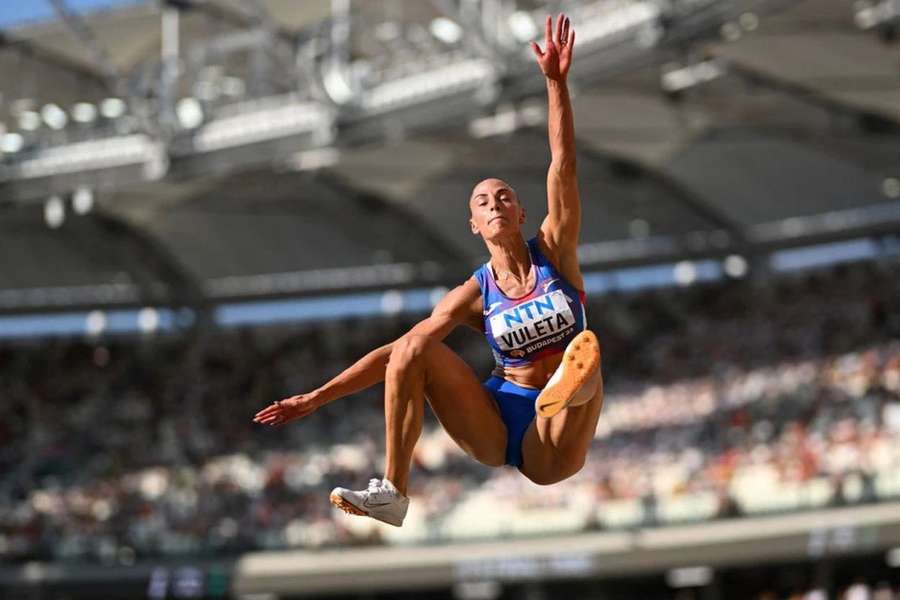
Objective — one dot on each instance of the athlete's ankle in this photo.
(400, 488)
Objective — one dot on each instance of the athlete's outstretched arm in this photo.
(563, 222)
(456, 308)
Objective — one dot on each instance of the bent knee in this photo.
(409, 349)
(560, 470)
(493, 458)
(488, 454)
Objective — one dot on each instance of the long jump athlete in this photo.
(539, 410)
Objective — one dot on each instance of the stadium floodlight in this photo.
(54, 212)
(680, 79)
(55, 117)
(148, 319)
(418, 88)
(95, 322)
(253, 122)
(622, 22)
(689, 577)
(84, 112)
(685, 273)
(505, 121)
(82, 201)
(387, 31)
(112, 108)
(477, 590)
(891, 187)
(315, 159)
(336, 82)
(445, 30)
(29, 120)
(748, 21)
(523, 26)
(391, 302)
(11, 143)
(735, 266)
(873, 14)
(89, 155)
(189, 112)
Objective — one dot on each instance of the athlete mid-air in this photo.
(540, 408)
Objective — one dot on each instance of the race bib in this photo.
(526, 323)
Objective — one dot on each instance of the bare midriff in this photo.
(536, 375)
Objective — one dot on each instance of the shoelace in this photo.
(376, 489)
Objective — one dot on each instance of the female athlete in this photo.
(539, 410)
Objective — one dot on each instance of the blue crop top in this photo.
(523, 330)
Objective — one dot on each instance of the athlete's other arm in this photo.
(461, 306)
(560, 228)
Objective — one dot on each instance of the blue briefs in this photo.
(516, 405)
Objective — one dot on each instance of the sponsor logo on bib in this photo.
(524, 324)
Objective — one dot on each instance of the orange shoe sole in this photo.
(346, 506)
(580, 362)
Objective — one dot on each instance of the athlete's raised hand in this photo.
(556, 57)
(284, 411)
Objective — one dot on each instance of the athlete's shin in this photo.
(404, 406)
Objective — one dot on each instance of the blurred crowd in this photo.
(860, 590)
(115, 449)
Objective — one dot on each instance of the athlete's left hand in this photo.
(284, 411)
(556, 58)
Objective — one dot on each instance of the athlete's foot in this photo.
(577, 378)
(381, 501)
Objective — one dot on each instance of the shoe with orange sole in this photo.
(381, 501)
(575, 381)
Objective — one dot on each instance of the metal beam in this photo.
(415, 223)
(36, 52)
(473, 29)
(154, 262)
(83, 33)
(804, 93)
(685, 196)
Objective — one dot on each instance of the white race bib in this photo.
(530, 321)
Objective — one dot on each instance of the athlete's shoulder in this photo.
(562, 261)
(544, 253)
(462, 302)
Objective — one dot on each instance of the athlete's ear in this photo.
(473, 226)
(521, 216)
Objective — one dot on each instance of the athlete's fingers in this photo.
(571, 42)
(262, 415)
(559, 27)
(564, 38)
(269, 410)
(272, 409)
(537, 50)
(548, 31)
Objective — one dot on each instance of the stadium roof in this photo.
(799, 119)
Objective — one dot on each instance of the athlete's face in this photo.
(495, 209)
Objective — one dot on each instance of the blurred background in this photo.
(208, 205)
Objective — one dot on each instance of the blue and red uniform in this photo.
(524, 330)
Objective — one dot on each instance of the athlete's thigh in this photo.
(555, 444)
(464, 407)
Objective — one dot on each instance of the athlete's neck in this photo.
(510, 258)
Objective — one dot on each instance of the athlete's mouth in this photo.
(495, 218)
